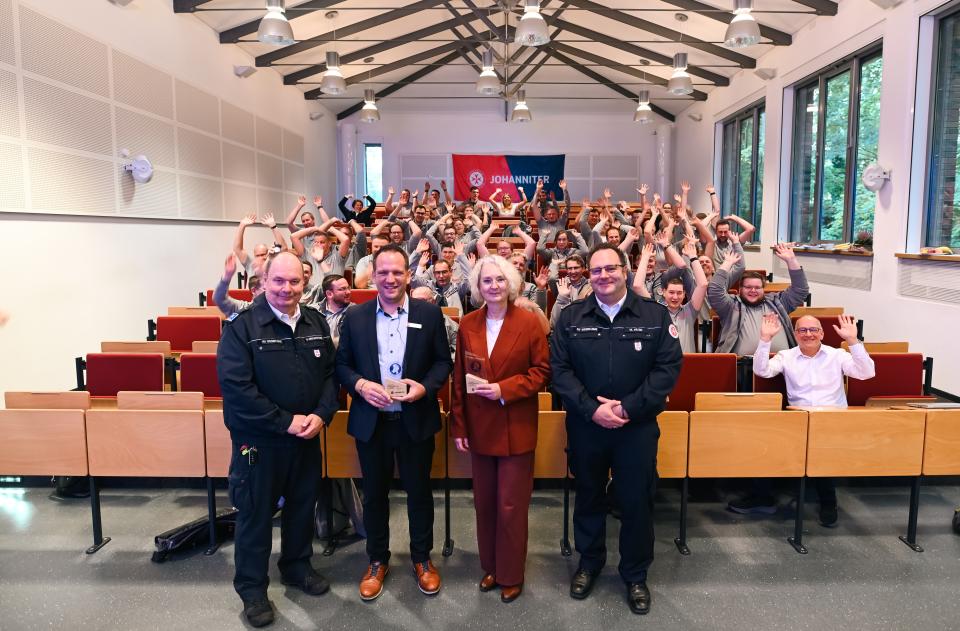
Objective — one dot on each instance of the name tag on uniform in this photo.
(637, 345)
(414, 325)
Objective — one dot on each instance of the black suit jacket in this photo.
(426, 360)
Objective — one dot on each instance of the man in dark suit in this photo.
(394, 358)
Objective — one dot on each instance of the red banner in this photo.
(482, 171)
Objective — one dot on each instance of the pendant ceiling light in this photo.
(332, 81)
(532, 30)
(743, 30)
(488, 84)
(644, 114)
(274, 28)
(369, 113)
(521, 113)
(680, 83)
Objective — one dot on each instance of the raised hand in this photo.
(542, 278)
(229, 267)
(301, 201)
(607, 194)
(540, 185)
(677, 198)
(562, 185)
(416, 193)
(426, 187)
(634, 233)
(390, 190)
(784, 252)
(685, 186)
(472, 259)
(847, 329)
(349, 195)
(770, 326)
(423, 246)
(318, 252)
(443, 185)
(643, 189)
(662, 239)
(458, 247)
(318, 201)
(689, 248)
(563, 287)
(710, 189)
(731, 259)
(269, 221)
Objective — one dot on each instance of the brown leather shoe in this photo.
(371, 585)
(428, 578)
(508, 594)
(487, 583)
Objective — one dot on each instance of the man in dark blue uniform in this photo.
(615, 358)
(275, 364)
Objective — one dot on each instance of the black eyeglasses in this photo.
(609, 269)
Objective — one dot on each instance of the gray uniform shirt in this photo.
(685, 319)
(750, 320)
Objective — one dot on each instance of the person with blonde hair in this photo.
(502, 362)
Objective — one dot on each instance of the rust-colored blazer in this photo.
(520, 363)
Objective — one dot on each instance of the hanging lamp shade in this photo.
(487, 83)
(369, 113)
(332, 81)
(743, 30)
(274, 28)
(532, 29)
(521, 113)
(644, 114)
(680, 82)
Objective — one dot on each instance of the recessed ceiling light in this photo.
(368, 60)
(644, 62)
(331, 14)
(680, 17)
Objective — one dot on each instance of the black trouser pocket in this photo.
(238, 481)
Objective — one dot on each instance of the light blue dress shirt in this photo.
(391, 345)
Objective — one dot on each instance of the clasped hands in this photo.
(610, 414)
(377, 396)
(305, 425)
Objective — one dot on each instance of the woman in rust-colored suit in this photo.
(506, 345)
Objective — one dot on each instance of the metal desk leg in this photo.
(681, 541)
(911, 538)
(98, 539)
(797, 539)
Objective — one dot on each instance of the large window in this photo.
(742, 174)
(373, 171)
(943, 198)
(835, 136)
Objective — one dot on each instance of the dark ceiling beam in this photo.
(484, 17)
(526, 62)
(473, 31)
(743, 61)
(233, 35)
(822, 7)
(778, 38)
(349, 29)
(596, 76)
(633, 49)
(187, 6)
(416, 76)
(309, 71)
(399, 64)
(630, 70)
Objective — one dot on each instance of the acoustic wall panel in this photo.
(9, 104)
(931, 280)
(293, 178)
(616, 167)
(148, 136)
(269, 137)
(269, 171)
(158, 198)
(200, 198)
(271, 202)
(12, 194)
(56, 51)
(65, 118)
(197, 108)
(239, 163)
(576, 166)
(142, 86)
(421, 167)
(65, 183)
(7, 51)
(198, 152)
(238, 125)
(239, 201)
(292, 146)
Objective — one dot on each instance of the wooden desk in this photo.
(550, 458)
(672, 448)
(865, 443)
(43, 442)
(146, 443)
(738, 401)
(217, 444)
(747, 444)
(941, 446)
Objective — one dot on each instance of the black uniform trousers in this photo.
(391, 442)
(630, 452)
(292, 470)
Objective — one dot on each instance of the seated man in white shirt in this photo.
(814, 377)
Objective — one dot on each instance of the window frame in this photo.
(853, 64)
(753, 113)
(365, 178)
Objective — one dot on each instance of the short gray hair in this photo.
(514, 280)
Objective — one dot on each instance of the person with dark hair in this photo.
(357, 212)
(612, 408)
(275, 365)
(393, 358)
(550, 220)
(363, 272)
(221, 296)
(571, 287)
(684, 313)
(336, 301)
(568, 243)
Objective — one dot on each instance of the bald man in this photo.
(275, 363)
(814, 376)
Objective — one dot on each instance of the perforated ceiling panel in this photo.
(142, 86)
(148, 136)
(9, 104)
(200, 198)
(11, 177)
(65, 118)
(271, 202)
(65, 183)
(7, 53)
(269, 137)
(198, 108)
(269, 171)
(158, 198)
(55, 51)
(239, 201)
(292, 146)
(199, 153)
(238, 125)
(239, 163)
(293, 178)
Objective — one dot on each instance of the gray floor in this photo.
(741, 575)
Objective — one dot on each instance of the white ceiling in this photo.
(555, 86)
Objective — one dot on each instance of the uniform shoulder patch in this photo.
(233, 316)
(674, 333)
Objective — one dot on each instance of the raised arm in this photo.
(482, 241)
(747, 227)
(269, 221)
(537, 211)
(640, 278)
(344, 239)
(345, 212)
(633, 235)
(446, 194)
(721, 301)
(529, 245)
(292, 217)
(796, 293)
(238, 250)
(389, 199)
(318, 203)
(699, 278)
(566, 203)
(714, 200)
(763, 365)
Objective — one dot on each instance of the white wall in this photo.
(75, 281)
(450, 133)
(928, 325)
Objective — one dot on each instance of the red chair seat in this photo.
(109, 373)
(703, 372)
(183, 331)
(198, 373)
(898, 375)
(359, 296)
